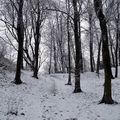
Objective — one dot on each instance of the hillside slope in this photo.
(48, 98)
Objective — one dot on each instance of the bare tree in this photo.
(20, 35)
(37, 16)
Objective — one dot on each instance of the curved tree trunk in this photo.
(107, 97)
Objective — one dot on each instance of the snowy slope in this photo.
(48, 98)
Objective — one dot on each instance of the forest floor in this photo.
(48, 98)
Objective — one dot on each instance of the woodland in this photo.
(70, 48)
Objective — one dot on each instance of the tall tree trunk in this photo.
(51, 45)
(20, 35)
(116, 53)
(81, 56)
(61, 45)
(37, 42)
(91, 42)
(69, 50)
(77, 47)
(117, 40)
(90, 14)
(55, 57)
(107, 97)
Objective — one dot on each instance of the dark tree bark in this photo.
(81, 56)
(107, 97)
(37, 42)
(35, 74)
(77, 47)
(20, 35)
(22, 63)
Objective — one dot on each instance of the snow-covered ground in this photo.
(48, 98)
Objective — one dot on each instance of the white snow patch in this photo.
(48, 98)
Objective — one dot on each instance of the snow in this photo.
(48, 98)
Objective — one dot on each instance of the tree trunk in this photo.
(51, 44)
(81, 56)
(107, 97)
(91, 43)
(77, 47)
(117, 41)
(37, 42)
(20, 35)
(55, 57)
(116, 53)
(69, 50)
(61, 45)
